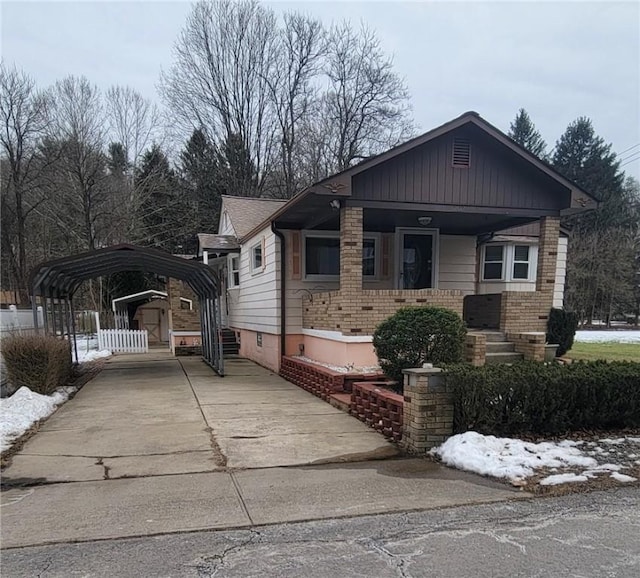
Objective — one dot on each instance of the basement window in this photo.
(461, 153)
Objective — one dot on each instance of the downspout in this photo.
(283, 287)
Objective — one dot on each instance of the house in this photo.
(460, 217)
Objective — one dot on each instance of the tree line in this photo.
(603, 268)
(252, 105)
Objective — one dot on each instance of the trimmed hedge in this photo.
(545, 399)
(561, 329)
(41, 363)
(415, 335)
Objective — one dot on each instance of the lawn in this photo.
(608, 351)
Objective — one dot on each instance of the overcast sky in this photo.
(557, 60)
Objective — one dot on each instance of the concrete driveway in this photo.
(157, 445)
(155, 414)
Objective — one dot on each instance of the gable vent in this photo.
(461, 153)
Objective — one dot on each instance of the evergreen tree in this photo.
(523, 131)
(236, 171)
(601, 261)
(199, 172)
(166, 214)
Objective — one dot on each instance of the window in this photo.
(322, 256)
(509, 262)
(257, 258)
(521, 262)
(234, 271)
(493, 261)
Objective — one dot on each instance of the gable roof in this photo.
(470, 117)
(246, 213)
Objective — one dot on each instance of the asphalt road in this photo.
(581, 535)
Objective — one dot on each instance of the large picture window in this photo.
(322, 256)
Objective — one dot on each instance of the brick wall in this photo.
(183, 319)
(378, 407)
(475, 349)
(522, 311)
(531, 345)
(368, 308)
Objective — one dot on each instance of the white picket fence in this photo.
(123, 340)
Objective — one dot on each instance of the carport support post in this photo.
(427, 410)
(73, 327)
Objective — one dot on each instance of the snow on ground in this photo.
(341, 368)
(624, 336)
(516, 460)
(23, 409)
(88, 349)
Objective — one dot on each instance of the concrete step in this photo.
(500, 347)
(504, 358)
(341, 401)
(492, 336)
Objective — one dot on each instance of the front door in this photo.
(416, 262)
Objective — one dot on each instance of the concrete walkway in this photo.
(155, 445)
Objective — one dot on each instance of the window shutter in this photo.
(296, 268)
(386, 251)
(264, 255)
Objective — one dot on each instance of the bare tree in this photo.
(218, 82)
(300, 49)
(23, 113)
(366, 106)
(134, 121)
(78, 179)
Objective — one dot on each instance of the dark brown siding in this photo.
(497, 177)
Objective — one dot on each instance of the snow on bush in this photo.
(625, 336)
(23, 409)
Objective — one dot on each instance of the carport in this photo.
(56, 282)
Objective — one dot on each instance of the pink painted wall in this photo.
(339, 353)
(267, 355)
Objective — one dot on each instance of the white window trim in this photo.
(508, 261)
(230, 269)
(399, 256)
(376, 237)
(256, 270)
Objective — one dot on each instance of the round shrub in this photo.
(561, 329)
(417, 335)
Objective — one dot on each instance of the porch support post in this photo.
(350, 266)
(548, 255)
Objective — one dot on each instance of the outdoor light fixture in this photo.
(335, 204)
(425, 220)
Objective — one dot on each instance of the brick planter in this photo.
(378, 407)
(321, 381)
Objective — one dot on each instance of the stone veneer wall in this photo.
(360, 312)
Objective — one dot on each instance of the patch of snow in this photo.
(508, 458)
(624, 336)
(85, 357)
(23, 409)
(623, 478)
(341, 368)
(558, 479)
(601, 469)
(616, 441)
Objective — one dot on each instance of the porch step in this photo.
(493, 336)
(342, 401)
(500, 347)
(504, 357)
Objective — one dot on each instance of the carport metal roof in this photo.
(55, 282)
(62, 277)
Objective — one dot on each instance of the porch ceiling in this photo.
(315, 212)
